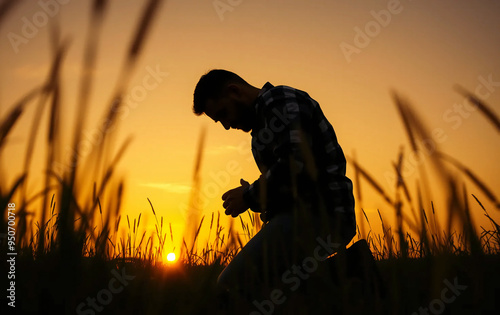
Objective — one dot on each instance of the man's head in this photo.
(224, 96)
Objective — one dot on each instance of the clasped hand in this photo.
(233, 200)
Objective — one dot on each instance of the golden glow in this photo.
(171, 257)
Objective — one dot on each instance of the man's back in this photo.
(296, 149)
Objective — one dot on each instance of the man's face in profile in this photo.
(230, 111)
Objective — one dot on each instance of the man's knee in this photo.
(223, 280)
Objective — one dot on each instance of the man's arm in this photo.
(292, 142)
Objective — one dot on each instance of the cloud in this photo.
(30, 71)
(224, 149)
(170, 187)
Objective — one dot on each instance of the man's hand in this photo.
(233, 200)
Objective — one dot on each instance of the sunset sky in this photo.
(348, 55)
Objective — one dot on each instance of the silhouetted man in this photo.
(303, 195)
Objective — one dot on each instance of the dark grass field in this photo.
(412, 285)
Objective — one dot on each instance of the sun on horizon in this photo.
(171, 257)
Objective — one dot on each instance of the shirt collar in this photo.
(263, 90)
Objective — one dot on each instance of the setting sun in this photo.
(171, 257)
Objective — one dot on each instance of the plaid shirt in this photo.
(301, 162)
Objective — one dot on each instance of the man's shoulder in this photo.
(271, 95)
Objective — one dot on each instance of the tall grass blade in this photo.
(6, 6)
(403, 113)
(471, 234)
(372, 182)
(483, 108)
(11, 118)
(194, 212)
(87, 73)
(6, 199)
(143, 29)
(473, 177)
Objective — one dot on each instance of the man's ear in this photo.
(234, 89)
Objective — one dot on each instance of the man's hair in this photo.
(211, 85)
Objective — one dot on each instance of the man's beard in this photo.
(245, 122)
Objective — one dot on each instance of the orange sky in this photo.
(348, 55)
